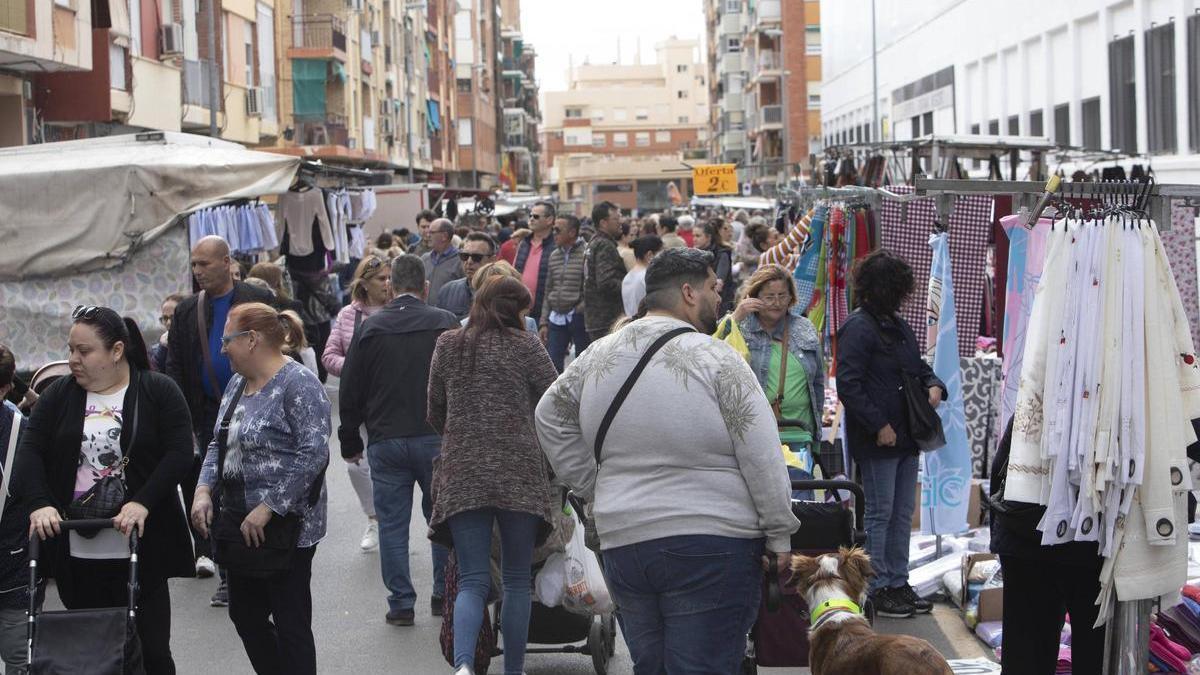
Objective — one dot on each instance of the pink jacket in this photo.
(341, 333)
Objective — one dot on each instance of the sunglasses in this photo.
(226, 339)
(374, 263)
(84, 312)
(474, 257)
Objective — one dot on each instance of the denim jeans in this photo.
(396, 464)
(561, 337)
(686, 603)
(472, 532)
(890, 485)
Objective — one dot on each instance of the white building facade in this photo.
(1098, 74)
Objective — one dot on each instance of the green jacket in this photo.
(604, 270)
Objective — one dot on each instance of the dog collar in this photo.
(832, 606)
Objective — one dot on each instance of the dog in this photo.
(841, 641)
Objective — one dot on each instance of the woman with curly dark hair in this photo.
(875, 348)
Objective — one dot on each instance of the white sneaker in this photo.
(205, 568)
(370, 538)
(464, 670)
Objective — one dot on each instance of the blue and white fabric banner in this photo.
(946, 473)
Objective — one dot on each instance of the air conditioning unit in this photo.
(254, 101)
(171, 38)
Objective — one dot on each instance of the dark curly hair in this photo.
(882, 281)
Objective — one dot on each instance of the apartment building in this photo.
(765, 86)
(521, 113)
(1098, 74)
(476, 45)
(621, 131)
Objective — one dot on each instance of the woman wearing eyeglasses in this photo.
(369, 292)
(113, 416)
(773, 327)
(158, 353)
(269, 471)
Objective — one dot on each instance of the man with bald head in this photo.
(195, 361)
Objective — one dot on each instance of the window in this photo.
(927, 120)
(465, 130)
(1091, 123)
(642, 139)
(1160, 88)
(683, 119)
(464, 86)
(733, 6)
(1014, 125)
(662, 137)
(599, 140)
(266, 59)
(916, 128)
(1062, 124)
(681, 94)
(812, 40)
(681, 68)
(249, 46)
(573, 113)
(994, 127)
(1036, 128)
(116, 67)
(620, 114)
(597, 114)
(1122, 94)
(577, 137)
(620, 140)
(1193, 51)
(733, 45)
(814, 101)
(641, 114)
(975, 130)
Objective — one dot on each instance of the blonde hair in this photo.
(767, 274)
(358, 290)
(500, 268)
(273, 275)
(282, 330)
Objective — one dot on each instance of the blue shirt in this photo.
(220, 362)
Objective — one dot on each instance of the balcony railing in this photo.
(767, 12)
(769, 61)
(332, 130)
(772, 114)
(319, 31)
(729, 62)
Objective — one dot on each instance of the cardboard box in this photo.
(976, 515)
(991, 600)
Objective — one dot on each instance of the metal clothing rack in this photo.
(1127, 634)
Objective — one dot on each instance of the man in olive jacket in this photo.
(604, 270)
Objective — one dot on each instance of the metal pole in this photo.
(213, 82)
(408, 78)
(1127, 639)
(875, 126)
(787, 122)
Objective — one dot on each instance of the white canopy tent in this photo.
(748, 203)
(80, 206)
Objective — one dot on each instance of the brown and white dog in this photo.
(840, 639)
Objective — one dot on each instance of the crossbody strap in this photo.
(13, 432)
(202, 326)
(630, 381)
(783, 361)
(223, 429)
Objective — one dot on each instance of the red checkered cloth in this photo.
(970, 222)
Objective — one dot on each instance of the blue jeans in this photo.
(561, 337)
(686, 603)
(396, 464)
(890, 485)
(472, 532)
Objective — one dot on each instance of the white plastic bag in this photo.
(551, 581)
(585, 591)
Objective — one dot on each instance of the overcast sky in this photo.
(588, 29)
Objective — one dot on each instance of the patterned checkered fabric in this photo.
(1179, 239)
(970, 222)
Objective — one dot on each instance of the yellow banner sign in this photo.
(715, 179)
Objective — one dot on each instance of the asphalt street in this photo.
(349, 606)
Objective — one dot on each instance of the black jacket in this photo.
(869, 381)
(184, 360)
(48, 458)
(385, 380)
(14, 533)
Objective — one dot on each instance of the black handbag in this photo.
(924, 425)
(281, 535)
(107, 496)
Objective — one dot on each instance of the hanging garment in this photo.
(298, 212)
(1026, 253)
(1180, 243)
(785, 252)
(810, 259)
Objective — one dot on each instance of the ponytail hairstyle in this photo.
(281, 330)
(112, 328)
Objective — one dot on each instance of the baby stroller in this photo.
(100, 641)
(780, 636)
(560, 631)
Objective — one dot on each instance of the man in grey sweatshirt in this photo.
(690, 488)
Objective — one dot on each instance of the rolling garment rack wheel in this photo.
(598, 646)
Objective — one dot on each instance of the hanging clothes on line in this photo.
(304, 216)
(248, 228)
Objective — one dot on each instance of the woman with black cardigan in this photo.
(112, 409)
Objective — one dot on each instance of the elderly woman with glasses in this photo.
(774, 328)
(369, 292)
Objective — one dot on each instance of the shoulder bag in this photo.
(282, 533)
(107, 496)
(924, 425)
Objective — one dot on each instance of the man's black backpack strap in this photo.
(630, 381)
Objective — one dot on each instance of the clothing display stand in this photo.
(1128, 631)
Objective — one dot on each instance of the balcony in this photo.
(731, 25)
(332, 130)
(733, 140)
(768, 65)
(318, 36)
(730, 62)
(772, 117)
(197, 83)
(767, 13)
